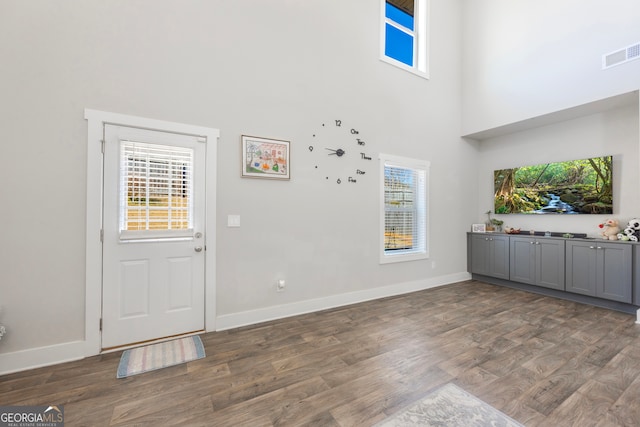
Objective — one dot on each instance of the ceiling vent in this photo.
(621, 56)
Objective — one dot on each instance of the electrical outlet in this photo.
(280, 285)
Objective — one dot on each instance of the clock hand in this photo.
(339, 152)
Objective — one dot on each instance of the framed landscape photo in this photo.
(265, 158)
(478, 228)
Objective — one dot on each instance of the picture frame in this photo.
(478, 228)
(265, 158)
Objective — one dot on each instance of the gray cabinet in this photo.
(608, 272)
(538, 262)
(600, 269)
(489, 255)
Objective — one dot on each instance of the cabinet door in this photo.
(581, 268)
(614, 268)
(550, 263)
(522, 260)
(479, 254)
(499, 259)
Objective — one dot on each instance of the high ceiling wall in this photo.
(269, 69)
(525, 59)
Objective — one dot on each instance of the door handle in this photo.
(198, 249)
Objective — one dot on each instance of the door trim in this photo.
(93, 276)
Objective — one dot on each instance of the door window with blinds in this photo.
(403, 211)
(156, 191)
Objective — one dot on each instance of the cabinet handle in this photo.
(532, 243)
(592, 247)
(537, 243)
(599, 247)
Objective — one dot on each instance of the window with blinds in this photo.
(404, 209)
(156, 190)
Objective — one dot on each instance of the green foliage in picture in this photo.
(571, 187)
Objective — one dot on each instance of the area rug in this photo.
(156, 356)
(449, 406)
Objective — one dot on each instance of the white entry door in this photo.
(154, 242)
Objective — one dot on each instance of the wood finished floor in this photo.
(542, 361)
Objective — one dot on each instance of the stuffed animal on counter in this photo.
(610, 229)
(511, 230)
(631, 231)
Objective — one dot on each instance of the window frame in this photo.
(420, 35)
(421, 251)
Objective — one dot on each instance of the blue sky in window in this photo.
(398, 44)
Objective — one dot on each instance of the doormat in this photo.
(449, 406)
(156, 356)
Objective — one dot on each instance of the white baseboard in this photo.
(42, 356)
(638, 316)
(252, 317)
(66, 352)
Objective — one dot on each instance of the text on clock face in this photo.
(340, 152)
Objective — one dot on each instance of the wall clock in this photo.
(339, 153)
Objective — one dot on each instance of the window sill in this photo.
(405, 67)
(390, 259)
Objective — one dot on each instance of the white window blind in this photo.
(404, 209)
(156, 190)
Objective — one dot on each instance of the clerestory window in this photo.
(404, 35)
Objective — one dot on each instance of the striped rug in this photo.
(156, 356)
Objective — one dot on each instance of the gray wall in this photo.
(611, 132)
(274, 68)
(523, 59)
(279, 69)
(533, 62)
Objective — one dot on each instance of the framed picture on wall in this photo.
(265, 158)
(478, 228)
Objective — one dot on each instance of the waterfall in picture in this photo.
(556, 205)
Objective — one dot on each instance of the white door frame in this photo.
(95, 136)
